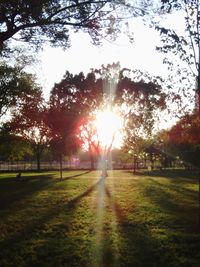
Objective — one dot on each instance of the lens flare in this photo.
(109, 126)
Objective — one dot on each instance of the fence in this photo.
(31, 165)
(54, 165)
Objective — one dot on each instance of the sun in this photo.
(109, 126)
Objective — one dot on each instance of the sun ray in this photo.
(109, 125)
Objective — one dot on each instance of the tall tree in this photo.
(13, 147)
(142, 99)
(186, 135)
(15, 86)
(184, 141)
(182, 40)
(40, 21)
(108, 88)
(28, 121)
(62, 123)
(185, 44)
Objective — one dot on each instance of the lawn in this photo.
(149, 219)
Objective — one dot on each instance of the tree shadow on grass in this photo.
(73, 202)
(74, 176)
(187, 175)
(141, 247)
(56, 239)
(136, 247)
(181, 204)
(13, 190)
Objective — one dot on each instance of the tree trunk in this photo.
(38, 161)
(104, 173)
(198, 108)
(145, 163)
(91, 159)
(134, 164)
(38, 152)
(61, 170)
(199, 202)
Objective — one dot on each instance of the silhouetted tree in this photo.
(183, 42)
(37, 22)
(109, 87)
(61, 122)
(183, 141)
(15, 86)
(142, 99)
(29, 122)
(13, 147)
(184, 138)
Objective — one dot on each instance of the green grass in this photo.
(126, 220)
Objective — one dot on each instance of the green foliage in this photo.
(51, 21)
(13, 147)
(125, 220)
(16, 86)
(121, 157)
(29, 122)
(180, 44)
(184, 45)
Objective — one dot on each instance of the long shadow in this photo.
(33, 229)
(138, 247)
(52, 212)
(13, 190)
(187, 175)
(178, 202)
(75, 200)
(74, 176)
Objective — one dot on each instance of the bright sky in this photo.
(82, 56)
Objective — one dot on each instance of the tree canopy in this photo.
(16, 86)
(110, 87)
(37, 22)
(183, 42)
(29, 122)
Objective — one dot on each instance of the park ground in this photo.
(148, 219)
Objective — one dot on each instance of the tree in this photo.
(12, 147)
(89, 139)
(109, 88)
(78, 96)
(62, 123)
(183, 141)
(186, 135)
(28, 122)
(184, 41)
(15, 86)
(142, 98)
(39, 21)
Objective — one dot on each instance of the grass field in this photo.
(125, 220)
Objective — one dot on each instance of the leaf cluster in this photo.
(36, 22)
(16, 87)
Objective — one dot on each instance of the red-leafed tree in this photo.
(62, 125)
(109, 88)
(28, 122)
(184, 138)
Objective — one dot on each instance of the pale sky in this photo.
(82, 56)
